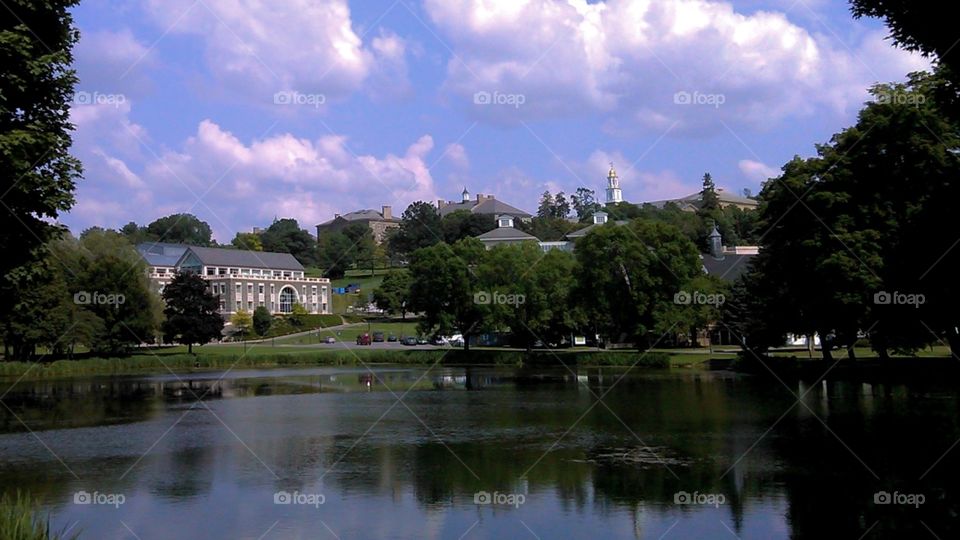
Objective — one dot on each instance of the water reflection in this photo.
(611, 468)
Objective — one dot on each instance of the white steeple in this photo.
(614, 195)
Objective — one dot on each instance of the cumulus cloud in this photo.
(652, 63)
(235, 184)
(304, 46)
(757, 171)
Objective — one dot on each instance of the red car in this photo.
(364, 339)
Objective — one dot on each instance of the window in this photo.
(288, 297)
(261, 288)
(161, 271)
(239, 305)
(234, 271)
(239, 291)
(249, 305)
(221, 271)
(210, 270)
(249, 289)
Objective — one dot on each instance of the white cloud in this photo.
(239, 184)
(629, 59)
(297, 45)
(757, 171)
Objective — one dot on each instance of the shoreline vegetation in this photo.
(20, 519)
(263, 357)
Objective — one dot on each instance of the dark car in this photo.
(409, 340)
(378, 336)
(422, 341)
(363, 339)
(391, 338)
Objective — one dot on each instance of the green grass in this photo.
(398, 329)
(282, 326)
(20, 520)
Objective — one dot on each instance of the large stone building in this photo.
(483, 204)
(379, 222)
(242, 279)
(691, 202)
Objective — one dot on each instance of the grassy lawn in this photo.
(398, 329)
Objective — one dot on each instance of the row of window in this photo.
(222, 271)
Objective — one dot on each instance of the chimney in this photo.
(441, 203)
(335, 216)
(479, 197)
(387, 212)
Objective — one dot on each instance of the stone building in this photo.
(379, 222)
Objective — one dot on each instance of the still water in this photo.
(485, 453)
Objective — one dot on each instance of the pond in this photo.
(485, 453)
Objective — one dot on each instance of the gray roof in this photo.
(244, 258)
(506, 233)
(486, 206)
(161, 253)
(693, 200)
(360, 215)
(729, 267)
(579, 233)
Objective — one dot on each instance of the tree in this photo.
(443, 288)
(915, 26)
(248, 241)
(242, 323)
(181, 229)
(545, 208)
(561, 207)
(393, 294)
(419, 227)
(191, 311)
(108, 276)
(627, 275)
(465, 224)
(262, 320)
(363, 248)
(585, 204)
(38, 173)
(335, 254)
(286, 236)
(709, 201)
(136, 234)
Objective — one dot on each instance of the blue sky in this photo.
(241, 111)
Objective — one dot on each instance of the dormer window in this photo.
(600, 218)
(505, 221)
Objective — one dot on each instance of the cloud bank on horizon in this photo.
(244, 111)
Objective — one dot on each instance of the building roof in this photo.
(488, 205)
(728, 267)
(161, 253)
(580, 233)
(506, 233)
(244, 258)
(366, 214)
(693, 200)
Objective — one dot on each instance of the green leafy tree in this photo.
(585, 204)
(191, 312)
(248, 241)
(443, 288)
(38, 173)
(181, 229)
(335, 254)
(393, 294)
(297, 316)
(242, 323)
(286, 236)
(262, 320)
(465, 224)
(545, 208)
(419, 227)
(626, 275)
(363, 248)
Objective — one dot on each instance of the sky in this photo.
(243, 111)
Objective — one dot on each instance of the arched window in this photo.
(288, 297)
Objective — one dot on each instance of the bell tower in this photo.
(614, 195)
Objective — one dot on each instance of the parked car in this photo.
(364, 339)
(329, 340)
(378, 336)
(391, 338)
(422, 341)
(409, 340)
(439, 341)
